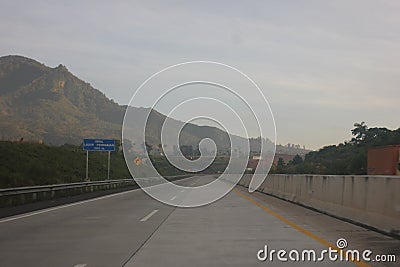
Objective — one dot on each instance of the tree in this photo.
(359, 132)
(281, 166)
(297, 160)
(344, 158)
(378, 136)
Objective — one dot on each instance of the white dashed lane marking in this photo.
(148, 216)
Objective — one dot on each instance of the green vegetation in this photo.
(349, 157)
(28, 164)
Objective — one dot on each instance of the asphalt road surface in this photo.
(131, 229)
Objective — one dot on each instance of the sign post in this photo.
(87, 165)
(108, 168)
(98, 145)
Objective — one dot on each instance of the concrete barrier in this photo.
(372, 201)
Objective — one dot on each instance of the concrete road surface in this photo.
(132, 229)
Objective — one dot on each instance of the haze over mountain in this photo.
(52, 105)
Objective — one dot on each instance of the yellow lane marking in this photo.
(300, 229)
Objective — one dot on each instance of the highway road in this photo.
(131, 229)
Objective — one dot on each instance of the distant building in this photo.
(384, 160)
(253, 162)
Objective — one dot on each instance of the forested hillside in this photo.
(349, 157)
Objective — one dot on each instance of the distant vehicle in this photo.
(384, 160)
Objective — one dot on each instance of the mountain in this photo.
(51, 105)
(39, 103)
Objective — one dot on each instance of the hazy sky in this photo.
(323, 65)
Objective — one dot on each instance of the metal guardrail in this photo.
(55, 187)
(22, 195)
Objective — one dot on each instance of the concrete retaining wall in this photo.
(373, 201)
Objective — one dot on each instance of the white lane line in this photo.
(64, 206)
(13, 218)
(80, 265)
(183, 190)
(148, 216)
(173, 197)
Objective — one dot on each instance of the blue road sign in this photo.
(99, 144)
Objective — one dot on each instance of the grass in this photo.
(28, 164)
